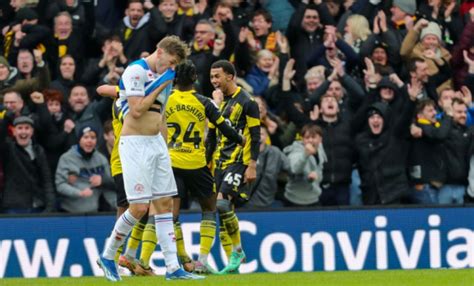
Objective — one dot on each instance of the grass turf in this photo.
(444, 277)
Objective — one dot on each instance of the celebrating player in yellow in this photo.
(186, 113)
(235, 165)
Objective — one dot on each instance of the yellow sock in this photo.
(225, 240)
(134, 240)
(149, 241)
(231, 224)
(182, 254)
(119, 251)
(208, 233)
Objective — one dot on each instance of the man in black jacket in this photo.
(382, 152)
(305, 33)
(457, 147)
(339, 148)
(28, 183)
(428, 168)
(135, 31)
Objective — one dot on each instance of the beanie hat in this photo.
(431, 29)
(84, 130)
(407, 6)
(4, 62)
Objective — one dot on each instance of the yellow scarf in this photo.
(198, 49)
(188, 12)
(423, 121)
(127, 34)
(8, 41)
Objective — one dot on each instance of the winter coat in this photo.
(299, 190)
(427, 157)
(72, 163)
(412, 48)
(28, 181)
(339, 148)
(457, 148)
(382, 158)
(466, 41)
(271, 162)
(258, 80)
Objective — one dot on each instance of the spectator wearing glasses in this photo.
(207, 47)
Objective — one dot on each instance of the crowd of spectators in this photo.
(362, 102)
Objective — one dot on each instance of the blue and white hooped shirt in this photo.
(139, 80)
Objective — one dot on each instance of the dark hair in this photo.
(311, 129)
(226, 66)
(424, 103)
(66, 56)
(186, 74)
(108, 126)
(112, 38)
(311, 6)
(134, 1)
(266, 15)
(412, 64)
(221, 4)
(457, 101)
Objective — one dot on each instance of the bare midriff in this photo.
(148, 124)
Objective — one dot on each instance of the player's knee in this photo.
(175, 219)
(223, 206)
(138, 210)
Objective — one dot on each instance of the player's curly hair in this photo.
(186, 74)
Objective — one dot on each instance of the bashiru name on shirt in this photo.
(187, 108)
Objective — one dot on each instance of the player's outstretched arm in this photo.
(108, 90)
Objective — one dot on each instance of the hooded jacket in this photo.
(382, 158)
(72, 163)
(10, 80)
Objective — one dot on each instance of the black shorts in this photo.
(198, 182)
(121, 195)
(230, 181)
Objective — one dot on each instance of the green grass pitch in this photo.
(464, 277)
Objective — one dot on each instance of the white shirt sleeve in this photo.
(133, 79)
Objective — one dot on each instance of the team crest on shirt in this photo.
(139, 188)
